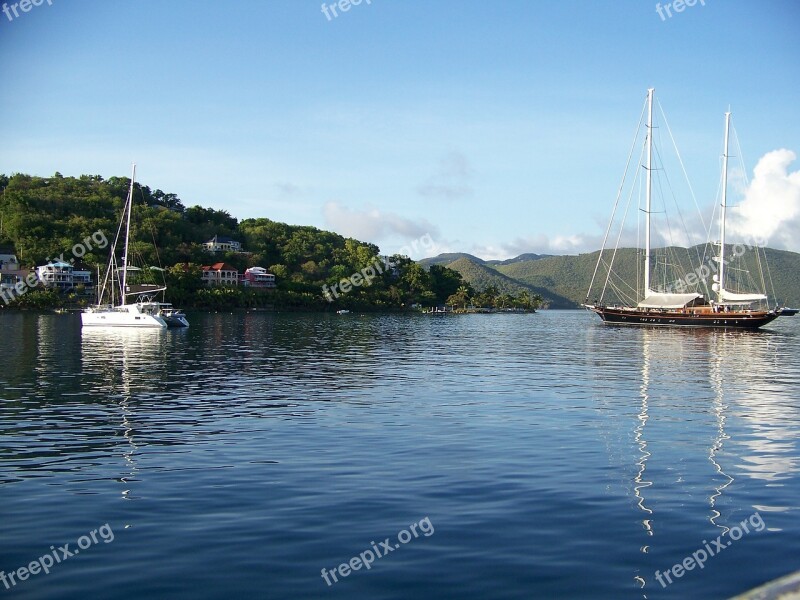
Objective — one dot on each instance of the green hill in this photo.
(564, 280)
(520, 258)
(448, 258)
(41, 218)
(46, 217)
(481, 277)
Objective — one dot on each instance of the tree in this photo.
(183, 282)
(524, 300)
(415, 280)
(504, 301)
(47, 217)
(444, 282)
(460, 297)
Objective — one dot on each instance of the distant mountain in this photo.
(449, 257)
(564, 280)
(481, 276)
(520, 258)
(569, 276)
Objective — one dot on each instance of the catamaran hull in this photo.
(142, 314)
(121, 319)
(175, 320)
(750, 320)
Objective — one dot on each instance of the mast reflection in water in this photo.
(556, 458)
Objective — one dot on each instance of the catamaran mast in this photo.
(724, 209)
(127, 235)
(649, 191)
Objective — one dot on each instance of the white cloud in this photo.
(770, 210)
(372, 224)
(487, 252)
(452, 179)
(559, 244)
(662, 235)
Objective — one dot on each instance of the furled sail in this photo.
(733, 298)
(664, 300)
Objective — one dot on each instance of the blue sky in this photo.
(496, 127)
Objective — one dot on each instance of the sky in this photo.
(494, 128)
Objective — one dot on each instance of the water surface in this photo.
(553, 456)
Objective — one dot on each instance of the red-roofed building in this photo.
(220, 274)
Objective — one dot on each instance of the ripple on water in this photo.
(555, 456)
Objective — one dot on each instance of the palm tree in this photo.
(463, 293)
(460, 297)
(504, 300)
(524, 299)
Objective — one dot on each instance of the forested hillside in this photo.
(565, 279)
(44, 218)
(482, 276)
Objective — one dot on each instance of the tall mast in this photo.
(724, 208)
(129, 204)
(649, 191)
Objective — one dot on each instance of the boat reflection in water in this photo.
(718, 406)
(125, 362)
(712, 435)
(756, 387)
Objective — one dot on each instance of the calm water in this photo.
(553, 457)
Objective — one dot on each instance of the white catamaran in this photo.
(656, 304)
(144, 311)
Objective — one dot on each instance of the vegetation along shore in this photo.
(210, 260)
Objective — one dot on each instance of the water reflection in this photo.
(120, 361)
(41, 343)
(759, 394)
(747, 380)
(769, 449)
(118, 358)
(728, 387)
(272, 430)
(716, 374)
(640, 483)
(642, 417)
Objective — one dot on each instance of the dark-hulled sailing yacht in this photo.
(664, 307)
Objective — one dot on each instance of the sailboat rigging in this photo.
(657, 303)
(144, 311)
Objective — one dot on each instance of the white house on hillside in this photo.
(9, 262)
(222, 244)
(56, 275)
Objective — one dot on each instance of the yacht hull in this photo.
(723, 320)
(144, 313)
(175, 320)
(120, 318)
